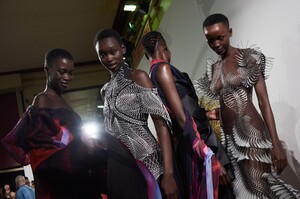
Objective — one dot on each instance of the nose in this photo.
(109, 58)
(67, 77)
(216, 43)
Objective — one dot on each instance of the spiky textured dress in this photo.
(246, 137)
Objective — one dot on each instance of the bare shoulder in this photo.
(141, 78)
(163, 69)
(163, 66)
(164, 73)
(41, 100)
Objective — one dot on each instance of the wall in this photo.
(274, 26)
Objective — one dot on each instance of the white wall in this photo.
(274, 25)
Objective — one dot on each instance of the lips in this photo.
(219, 50)
(65, 84)
(112, 67)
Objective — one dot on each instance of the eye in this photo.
(61, 71)
(113, 52)
(210, 41)
(101, 55)
(221, 38)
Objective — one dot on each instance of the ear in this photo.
(123, 49)
(230, 31)
(46, 68)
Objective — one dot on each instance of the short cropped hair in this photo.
(20, 178)
(54, 54)
(150, 40)
(105, 33)
(216, 18)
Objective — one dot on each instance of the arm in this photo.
(168, 183)
(165, 79)
(278, 155)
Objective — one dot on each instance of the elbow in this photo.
(182, 121)
(261, 105)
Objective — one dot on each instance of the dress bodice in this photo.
(233, 86)
(126, 109)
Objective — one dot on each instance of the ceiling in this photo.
(31, 27)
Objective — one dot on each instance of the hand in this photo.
(199, 146)
(213, 114)
(169, 187)
(279, 158)
(224, 178)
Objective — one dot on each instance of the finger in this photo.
(176, 196)
(228, 180)
(282, 165)
(278, 167)
(173, 196)
(222, 180)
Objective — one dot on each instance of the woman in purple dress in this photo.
(48, 136)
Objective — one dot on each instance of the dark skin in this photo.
(110, 53)
(58, 78)
(218, 38)
(165, 79)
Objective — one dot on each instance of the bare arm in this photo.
(278, 155)
(165, 79)
(168, 183)
(166, 83)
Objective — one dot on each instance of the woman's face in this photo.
(110, 53)
(218, 38)
(6, 187)
(60, 74)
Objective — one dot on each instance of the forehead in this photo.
(108, 42)
(215, 28)
(64, 63)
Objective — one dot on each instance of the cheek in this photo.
(210, 44)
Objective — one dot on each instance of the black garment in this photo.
(189, 100)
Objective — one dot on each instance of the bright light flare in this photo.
(91, 129)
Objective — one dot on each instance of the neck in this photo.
(123, 65)
(228, 53)
(156, 60)
(52, 91)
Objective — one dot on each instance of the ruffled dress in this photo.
(247, 140)
(65, 165)
(48, 139)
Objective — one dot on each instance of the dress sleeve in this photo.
(152, 104)
(36, 129)
(252, 63)
(15, 142)
(204, 84)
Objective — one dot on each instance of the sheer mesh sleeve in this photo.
(205, 82)
(252, 63)
(152, 104)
